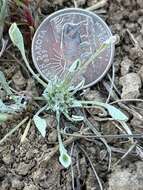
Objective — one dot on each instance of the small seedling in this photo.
(18, 101)
(59, 96)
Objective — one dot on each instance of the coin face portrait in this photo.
(66, 36)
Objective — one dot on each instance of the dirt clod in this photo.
(23, 168)
(91, 184)
(126, 179)
(92, 2)
(52, 137)
(131, 84)
(7, 158)
(81, 2)
(125, 66)
(17, 184)
(30, 187)
(19, 81)
(94, 95)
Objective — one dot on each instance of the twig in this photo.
(13, 130)
(93, 168)
(25, 132)
(75, 4)
(4, 44)
(104, 136)
(115, 87)
(122, 151)
(98, 5)
(72, 172)
(127, 100)
(112, 83)
(134, 41)
(93, 129)
(77, 164)
(123, 105)
(128, 151)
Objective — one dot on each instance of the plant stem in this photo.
(92, 103)
(41, 109)
(13, 130)
(70, 75)
(32, 72)
(58, 129)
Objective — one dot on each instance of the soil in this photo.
(21, 164)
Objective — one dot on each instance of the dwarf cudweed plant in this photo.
(59, 96)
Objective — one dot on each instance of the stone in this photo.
(92, 2)
(52, 137)
(125, 66)
(31, 187)
(18, 80)
(127, 179)
(7, 158)
(131, 84)
(24, 168)
(94, 95)
(17, 184)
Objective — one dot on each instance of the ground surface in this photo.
(20, 164)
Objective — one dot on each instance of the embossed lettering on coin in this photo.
(67, 35)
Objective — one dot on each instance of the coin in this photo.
(68, 35)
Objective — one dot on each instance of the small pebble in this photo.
(131, 84)
(125, 66)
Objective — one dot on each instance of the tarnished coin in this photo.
(67, 35)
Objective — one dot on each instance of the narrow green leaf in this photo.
(77, 118)
(64, 158)
(76, 103)
(127, 129)
(116, 113)
(75, 66)
(113, 111)
(17, 38)
(4, 83)
(40, 124)
(78, 87)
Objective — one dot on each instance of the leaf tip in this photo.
(65, 159)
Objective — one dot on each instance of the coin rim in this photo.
(85, 11)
